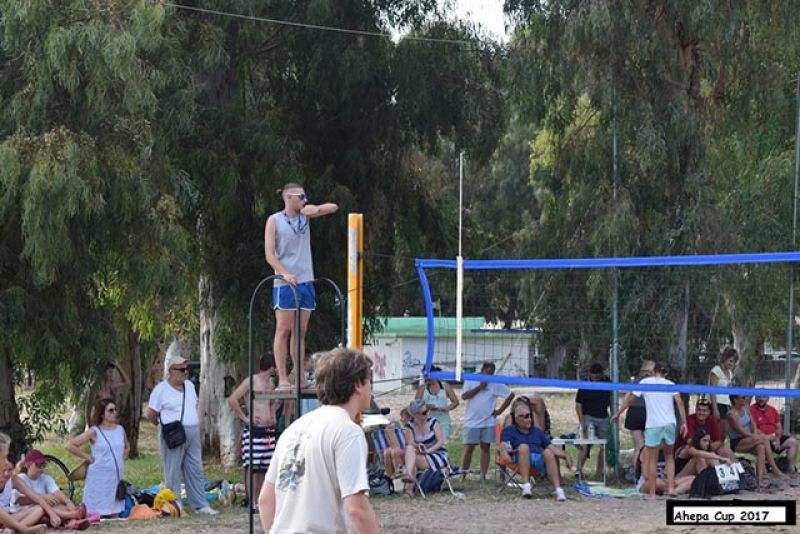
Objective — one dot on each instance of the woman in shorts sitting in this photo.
(746, 438)
(696, 455)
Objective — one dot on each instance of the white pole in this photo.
(459, 269)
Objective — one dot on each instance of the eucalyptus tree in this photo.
(681, 82)
(335, 111)
(91, 92)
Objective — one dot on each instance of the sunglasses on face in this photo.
(111, 410)
(300, 196)
(523, 416)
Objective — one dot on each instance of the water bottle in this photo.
(590, 431)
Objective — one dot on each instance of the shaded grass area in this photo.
(145, 470)
(142, 471)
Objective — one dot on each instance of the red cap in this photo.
(35, 457)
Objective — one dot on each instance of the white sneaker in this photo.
(207, 510)
(526, 491)
(560, 495)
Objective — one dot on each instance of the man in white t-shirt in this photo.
(317, 480)
(660, 425)
(479, 416)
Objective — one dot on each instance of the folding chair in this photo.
(390, 437)
(507, 472)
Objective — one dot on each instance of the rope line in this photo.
(320, 27)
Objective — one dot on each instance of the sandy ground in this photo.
(479, 512)
(483, 509)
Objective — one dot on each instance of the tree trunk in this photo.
(555, 362)
(129, 402)
(9, 414)
(678, 351)
(220, 425)
(747, 364)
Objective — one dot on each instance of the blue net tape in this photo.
(594, 263)
(618, 386)
(634, 261)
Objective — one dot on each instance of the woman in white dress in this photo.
(108, 451)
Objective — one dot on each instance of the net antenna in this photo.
(460, 270)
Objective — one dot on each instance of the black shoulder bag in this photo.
(173, 433)
(122, 485)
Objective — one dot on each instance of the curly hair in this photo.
(338, 373)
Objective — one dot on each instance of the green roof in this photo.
(418, 327)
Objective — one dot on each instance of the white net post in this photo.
(459, 313)
(459, 269)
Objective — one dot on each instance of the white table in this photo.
(578, 442)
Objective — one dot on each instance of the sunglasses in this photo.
(523, 416)
(301, 196)
(112, 410)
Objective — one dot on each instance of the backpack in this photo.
(747, 478)
(379, 484)
(431, 481)
(706, 484)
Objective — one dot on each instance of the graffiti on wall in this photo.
(378, 365)
(411, 364)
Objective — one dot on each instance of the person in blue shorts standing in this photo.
(287, 246)
(660, 426)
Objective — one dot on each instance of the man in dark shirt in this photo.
(701, 418)
(592, 405)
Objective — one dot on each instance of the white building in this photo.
(399, 349)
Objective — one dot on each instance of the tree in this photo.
(678, 82)
(88, 214)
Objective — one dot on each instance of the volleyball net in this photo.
(541, 321)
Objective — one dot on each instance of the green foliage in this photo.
(91, 246)
(37, 414)
(700, 98)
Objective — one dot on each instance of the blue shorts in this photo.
(536, 461)
(283, 297)
(654, 437)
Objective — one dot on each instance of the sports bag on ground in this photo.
(379, 484)
(431, 481)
